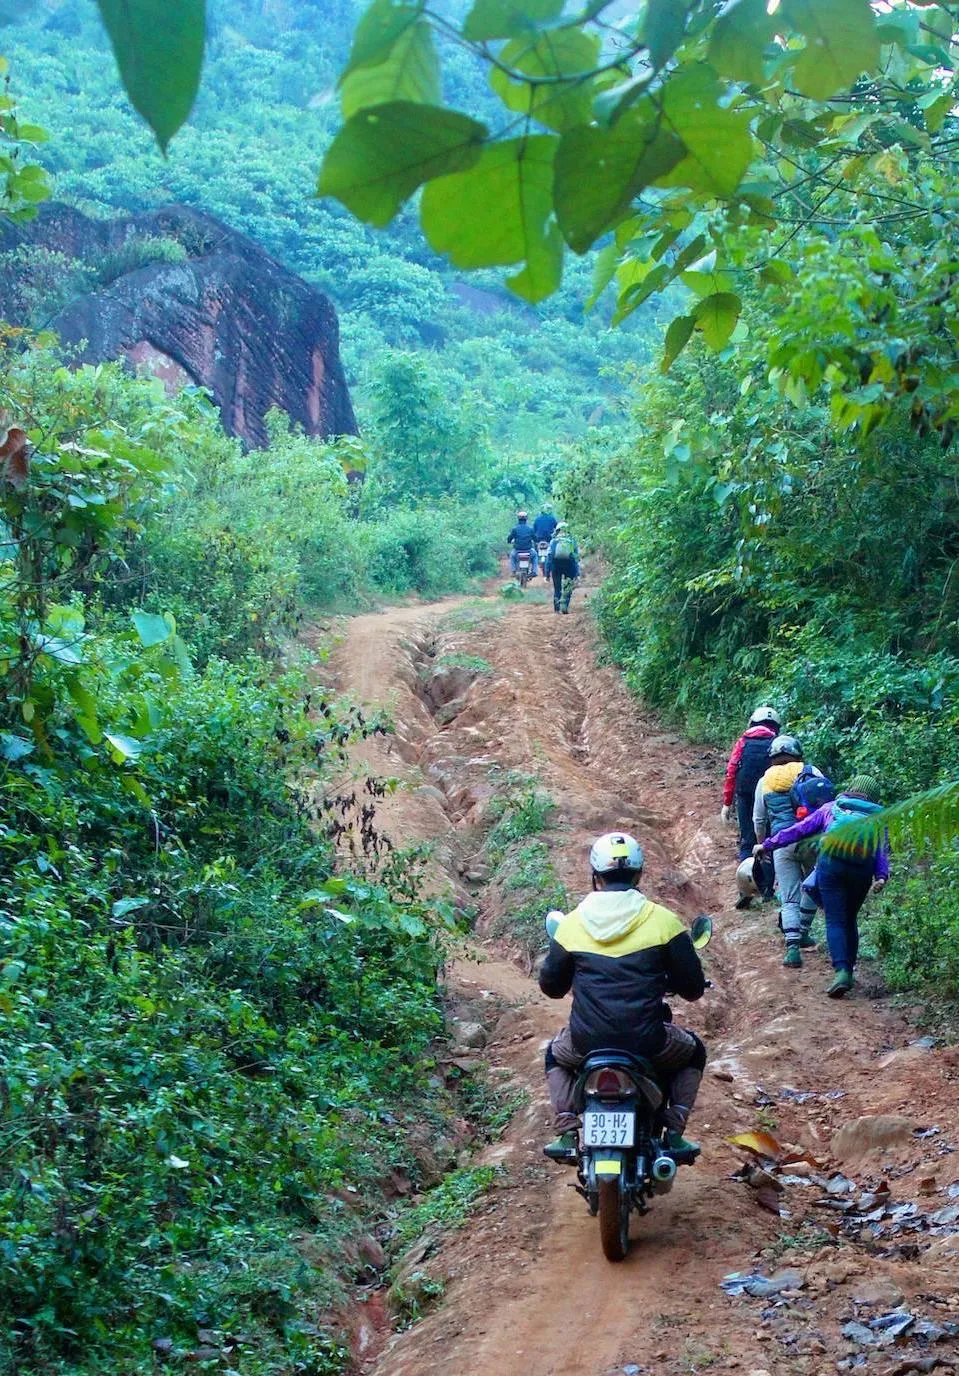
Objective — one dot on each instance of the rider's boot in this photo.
(565, 1147)
(676, 1142)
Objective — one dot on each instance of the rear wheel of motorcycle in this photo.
(614, 1218)
(523, 578)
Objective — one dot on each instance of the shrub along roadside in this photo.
(217, 1043)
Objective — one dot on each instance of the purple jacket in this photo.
(812, 825)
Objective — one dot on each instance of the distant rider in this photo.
(543, 528)
(544, 525)
(621, 954)
(747, 764)
(562, 564)
(843, 877)
(522, 539)
(773, 811)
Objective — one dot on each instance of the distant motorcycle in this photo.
(542, 550)
(524, 566)
(623, 1161)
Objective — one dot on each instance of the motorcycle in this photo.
(623, 1161)
(542, 550)
(524, 566)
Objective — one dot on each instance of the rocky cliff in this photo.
(209, 307)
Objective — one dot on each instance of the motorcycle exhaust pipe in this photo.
(663, 1173)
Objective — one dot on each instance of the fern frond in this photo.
(926, 821)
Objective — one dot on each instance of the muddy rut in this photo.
(479, 689)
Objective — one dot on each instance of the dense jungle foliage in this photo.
(218, 984)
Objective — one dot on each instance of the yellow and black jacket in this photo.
(620, 954)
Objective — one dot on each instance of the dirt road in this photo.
(479, 688)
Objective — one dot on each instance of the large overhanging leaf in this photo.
(738, 40)
(492, 19)
(717, 139)
(499, 212)
(841, 44)
(381, 156)
(560, 91)
(381, 26)
(600, 171)
(159, 50)
(663, 29)
(410, 71)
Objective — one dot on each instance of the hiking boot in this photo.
(792, 960)
(678, 1145)
(807, 942)
(565, 611)
(556, 607)
(743, 902)
(564, 1148)
(841, 985)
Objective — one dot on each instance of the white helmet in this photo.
(765, 716)
(746, 879)
(615, 851)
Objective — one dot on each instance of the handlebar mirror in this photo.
(701, 931)
(553, 919)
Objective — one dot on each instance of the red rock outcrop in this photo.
(228, 317)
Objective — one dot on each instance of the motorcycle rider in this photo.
(543, 528)
(620, 954)
(523, 540)
(773, 811)
(562, 565)
(747, 763)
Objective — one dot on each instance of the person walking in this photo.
(774, 811)
(562, 564)
(843, 876)
(748, 761)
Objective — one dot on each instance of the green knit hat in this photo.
(864, 786)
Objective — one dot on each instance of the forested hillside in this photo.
(535, 377)
(221, 1066)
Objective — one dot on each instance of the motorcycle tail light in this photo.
(608, 1082)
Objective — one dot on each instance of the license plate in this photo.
(607, 1128)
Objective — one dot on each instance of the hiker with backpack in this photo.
(788, 786)
(562, 565)
(747, 764)
(844, 876)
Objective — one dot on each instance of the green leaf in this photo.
(86, 716)
(492, 19)
(604, 270)
(841, 44)
(677, 337)
(500, 212)
(716, 317)
(124, 906)
(411, 71)
(738, 41)
(663, 29)
(159, 50)
(123, 748)
(718, 142)
(380, 157)
(600, 171)
(559, 93)
(381, 25)
(152, 629)
(13, 748)
(63, 651)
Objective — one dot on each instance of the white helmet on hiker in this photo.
(765, 716)
(614, 852)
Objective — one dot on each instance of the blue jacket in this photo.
(521, 536)
(544, 525)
